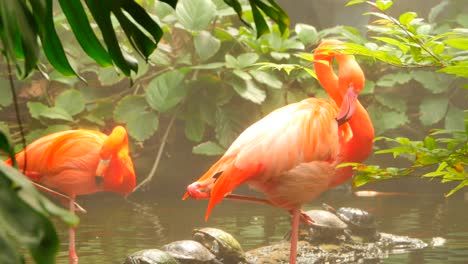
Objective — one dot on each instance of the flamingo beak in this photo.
(101, 168)
(348, 106)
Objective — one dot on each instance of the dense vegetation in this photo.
(194, 66)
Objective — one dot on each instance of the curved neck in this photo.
(358, 146)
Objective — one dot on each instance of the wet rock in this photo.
(347, 252)
(150, 256)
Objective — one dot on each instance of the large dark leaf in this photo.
(79, 24)
(51, 44)
(18, 33)
(268, 7)
(24, 216)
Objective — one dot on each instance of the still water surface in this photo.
(115, 227)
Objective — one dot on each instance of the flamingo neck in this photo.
(358, 146)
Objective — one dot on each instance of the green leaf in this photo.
(194, 128)
(247, 59)
(143, 126)
(36, 109)
(432, 109)
(392, 102)
(407, 17)
(19, 34)
(51, 45)
(206, 45)
(71, 101)
(384, 4)
(166, 91)
(80, 25)
(458, 43)
(248, 90)
(401, 45)
(434, 82)
(386, 120)
(391, 79)
(260, 24)
(101, 12)
(208, 148)
(195, 15)
(266, 78)
(307, 33)
(129, 107)
(355, 2)
(458, 70)
(6, 98)
(368, 87)
(24, 216)
(273, 11)
(56, 113)
(454, 118)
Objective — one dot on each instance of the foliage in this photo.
(24, 217)
(24, 22)
(411, 42)
(207, 67)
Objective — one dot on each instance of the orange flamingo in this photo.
(291, 154)
(79, 162)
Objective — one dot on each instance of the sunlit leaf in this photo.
(355, 2)
(195, 14)
(459, 43)
(383, 4)
(208, 148)
(71, 101)
(407, 17)
(206, 45)
(307, 33)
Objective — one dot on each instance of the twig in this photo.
(160, 151)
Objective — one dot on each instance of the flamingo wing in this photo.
(292, 135)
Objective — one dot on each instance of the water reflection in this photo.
(114, 227)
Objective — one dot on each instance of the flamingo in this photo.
(79, 162)
(291, 154)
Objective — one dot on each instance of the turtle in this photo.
(150, 256)
(222, 244)
(327, 227)
(360, 222)
(190, 252)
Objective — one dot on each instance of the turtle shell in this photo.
(356, 218)
(150, 256)
(325, 219)
(190, 251)
(222, 244)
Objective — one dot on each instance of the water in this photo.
(115, 227)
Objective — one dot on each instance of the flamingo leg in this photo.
(294, 235)
(303, 215)
(73, 258)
